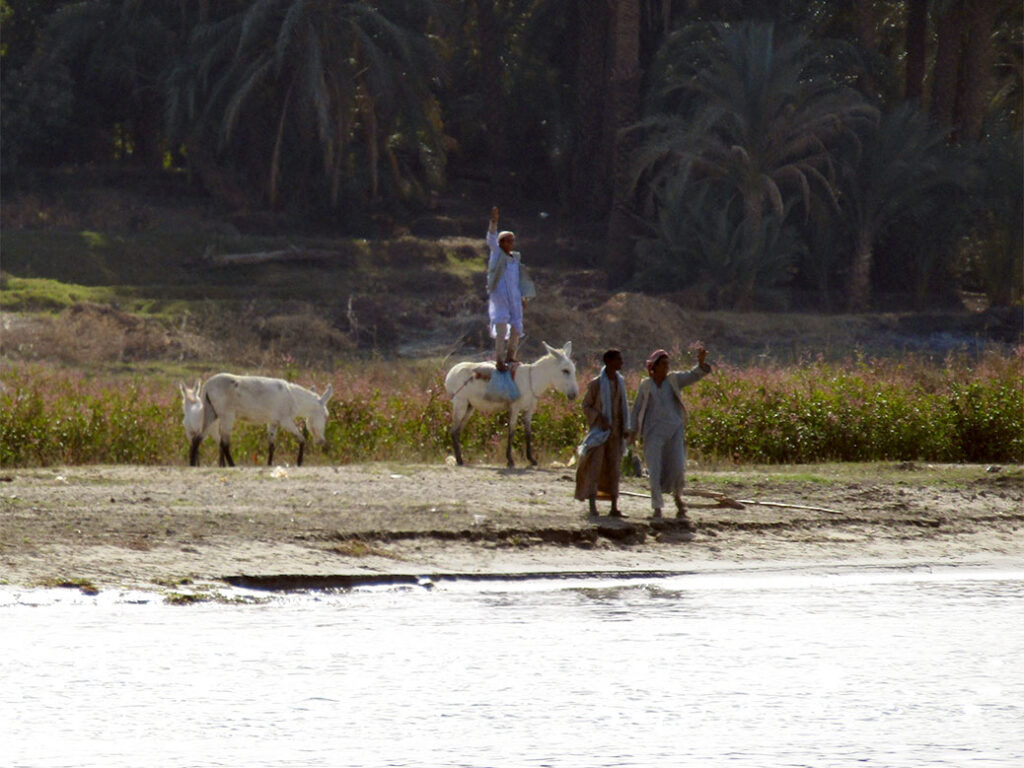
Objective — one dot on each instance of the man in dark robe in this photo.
(600, 454)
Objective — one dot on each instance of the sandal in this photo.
(680, 508)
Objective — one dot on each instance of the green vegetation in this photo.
(861, 411)
(34, 294)
(864, 412)
(160, 272)
(86, 586)
(760, 154)
(196, 598)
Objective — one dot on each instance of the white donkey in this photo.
(192, 405)
(274, 402)
(466, 383)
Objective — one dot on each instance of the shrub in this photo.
(857, 411)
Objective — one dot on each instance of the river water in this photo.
(911, 666)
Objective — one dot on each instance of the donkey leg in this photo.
(513, 417)
(225, 441)
(529, 441)
(456, 446)
(289, 426)
(193, 451)
(272, 434)
(458, 422)
(302, 445)
(225, 452)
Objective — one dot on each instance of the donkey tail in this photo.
(209, 412)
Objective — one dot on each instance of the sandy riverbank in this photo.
(123, 526)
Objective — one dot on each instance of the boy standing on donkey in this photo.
(508, 289)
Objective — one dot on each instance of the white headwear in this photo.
(505, 233)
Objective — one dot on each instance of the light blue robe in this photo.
(659, 419)
(504, 296)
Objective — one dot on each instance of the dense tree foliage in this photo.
(747, 153)
(281, 87)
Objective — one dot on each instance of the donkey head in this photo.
(317, 418)
(193, 409)
(564, 375)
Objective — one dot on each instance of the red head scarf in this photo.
(653, 358)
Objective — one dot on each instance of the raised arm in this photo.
(695, 374)
(492, 233)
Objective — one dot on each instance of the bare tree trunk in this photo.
(916, 45)
(403, 187)
(341, 130)
(866, 24)
(947, 60)
(976, 68)
(753, 245)
(860, 273)
(369, 114)
(492, 89)
(219, 182)
(864, 18)
(624, 102)
(146, 135)
(275, 159)
(590, 169)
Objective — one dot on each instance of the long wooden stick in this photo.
(791, 506)
(721, 498)
(727, 499)
(724, 500)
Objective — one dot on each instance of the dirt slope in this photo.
(145, 526)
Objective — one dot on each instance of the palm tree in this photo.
(949, 31)
(118, 52)
(317, 74)
(976, 68)
(698, 242)
(589, 169)
(916, 48)
(621, 110)
(905, 165)
(760, 116)
(999, 221)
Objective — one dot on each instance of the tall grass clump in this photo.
(385, 413)
(52, 416)
(861, 410)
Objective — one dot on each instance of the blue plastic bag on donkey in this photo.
(501, 388)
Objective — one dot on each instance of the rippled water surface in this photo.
(898, 667)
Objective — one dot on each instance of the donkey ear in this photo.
(548, 347)
(199, 385)
(327, 394)
(181, 386)
(567, 349)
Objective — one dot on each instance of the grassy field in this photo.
(102, 319)
(859, 411)
(154, 271)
